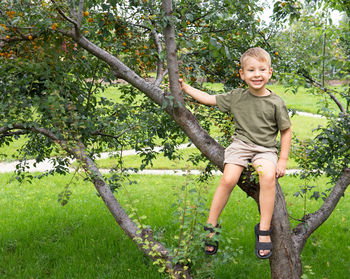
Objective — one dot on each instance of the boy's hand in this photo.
(182, 84)
(200, 96)
(281, 168)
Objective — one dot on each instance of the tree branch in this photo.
(160, 63)
(14, 133)
(65, 16)
(120, 69)
(186, 120)
(171, 54)
(99, 133)
(80, 12)
(312, 221)
(324, 89)
(154, 249)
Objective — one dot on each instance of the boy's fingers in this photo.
(279, 172)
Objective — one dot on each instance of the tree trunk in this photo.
(285, 262)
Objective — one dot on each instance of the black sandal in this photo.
(262, 245)
(211, 245)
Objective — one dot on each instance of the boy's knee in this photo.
(266, 170)
(268, 179)
(231, 175)
(228, 181)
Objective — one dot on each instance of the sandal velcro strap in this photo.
(264, 233)
(259, 246)
(211, 244)
(264, 246)
(212, 229)
(209, 229)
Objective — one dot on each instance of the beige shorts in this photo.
(241, 153)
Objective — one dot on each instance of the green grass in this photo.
(161, 162)
(304, 100)
(11, 149)
(303, 126)
(41, 239)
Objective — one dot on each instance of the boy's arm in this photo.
(200, 96)
(286, 139)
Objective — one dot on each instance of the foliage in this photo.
(57, 84)
(329, 152)
(319, 42)
(324, 49)
(47, 81)
(190, 217)
(50, 83)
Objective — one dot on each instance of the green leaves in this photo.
(329, 152)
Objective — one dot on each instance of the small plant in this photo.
(190, 214)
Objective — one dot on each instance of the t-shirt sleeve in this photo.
(282, 117)
(223, 101)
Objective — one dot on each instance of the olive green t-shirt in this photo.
(257, 118)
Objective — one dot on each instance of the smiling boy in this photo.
(259, 115)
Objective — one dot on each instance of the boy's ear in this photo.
(241, 74)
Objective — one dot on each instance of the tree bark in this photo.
(171, 54)
(285, 262)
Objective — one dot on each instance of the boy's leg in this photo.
(228, 181)
(267, 180)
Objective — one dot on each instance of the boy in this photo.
(259, 114)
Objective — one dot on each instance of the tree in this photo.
(54, 55)
(322, 44)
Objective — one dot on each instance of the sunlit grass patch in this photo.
(42, 239)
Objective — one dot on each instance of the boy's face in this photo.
(256, 74)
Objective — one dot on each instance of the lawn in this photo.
(304, 100)
(41, 239)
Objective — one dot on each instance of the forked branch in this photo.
(314, 220)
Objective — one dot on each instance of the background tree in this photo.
(57, 55)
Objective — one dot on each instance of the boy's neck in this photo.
(261, 92)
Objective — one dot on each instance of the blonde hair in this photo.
(257, 53)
